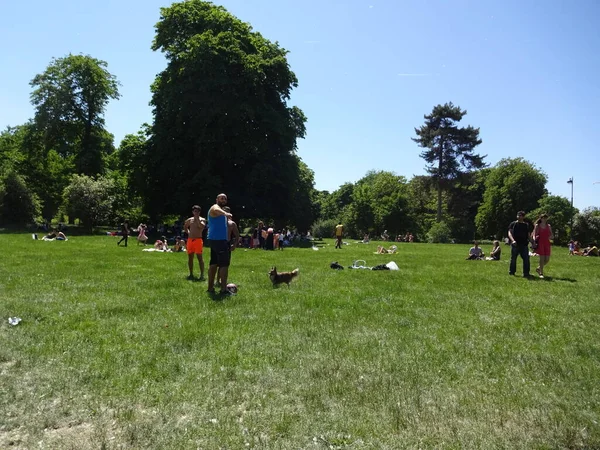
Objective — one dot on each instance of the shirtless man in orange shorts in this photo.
(194, 226)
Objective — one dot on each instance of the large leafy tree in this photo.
(463, 200)
(586, 226)
(129, 161)
(306, 207)
(11, 142)
(334, 204)
(45, 171)
(221, 118)
(379, 202)
(449, 148)
(320, 199)
(18, 203)
(70, 98)
(422, 204)
(89, 199)
(510, 186)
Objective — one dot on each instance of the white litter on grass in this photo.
(14, 320)
(315, 248)
(392, 265)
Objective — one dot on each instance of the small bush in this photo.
(323, 228)
(439, 233)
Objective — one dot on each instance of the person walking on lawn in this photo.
(518, 235)
(339, 233)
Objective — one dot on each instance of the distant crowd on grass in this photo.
(174, 237)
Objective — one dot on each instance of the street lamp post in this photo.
(570, 181)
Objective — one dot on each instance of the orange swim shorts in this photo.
(195, 246)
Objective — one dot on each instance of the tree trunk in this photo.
(439, 204)
(440, 162)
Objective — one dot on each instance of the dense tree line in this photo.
(476, 205)
(222, 122)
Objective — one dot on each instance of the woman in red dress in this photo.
(542, 233)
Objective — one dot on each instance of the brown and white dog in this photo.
(282, 277)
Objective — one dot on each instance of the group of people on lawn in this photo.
(477, 253)
(520, 237)
(142, 238)
(223, 236)
(226, 235)
(576, 250)
(267, 238)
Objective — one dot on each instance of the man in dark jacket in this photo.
(518, 235)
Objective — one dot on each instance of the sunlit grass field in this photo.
(116, 349)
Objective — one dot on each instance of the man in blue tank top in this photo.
(220, 255)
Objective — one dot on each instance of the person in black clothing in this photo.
(261, 237)
(269, 244)
(518, 235)
(124, 233)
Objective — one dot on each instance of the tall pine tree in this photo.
(449, 149)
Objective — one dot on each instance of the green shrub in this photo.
(323, 228)
(18, 203)
(439, 233)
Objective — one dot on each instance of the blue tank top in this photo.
(217, 228)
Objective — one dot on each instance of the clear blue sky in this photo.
(526, 71)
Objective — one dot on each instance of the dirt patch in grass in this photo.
(77, 435)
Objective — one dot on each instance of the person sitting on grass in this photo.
(475, 252)
(495, 253)
(162, 245)
(179, 245)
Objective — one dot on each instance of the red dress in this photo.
(543, 237)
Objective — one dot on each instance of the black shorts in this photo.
(220, 254)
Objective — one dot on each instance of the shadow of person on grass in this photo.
(570, 280)
(547, 278)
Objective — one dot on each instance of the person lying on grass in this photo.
(592, 250)
(382, 250)
(55, 235)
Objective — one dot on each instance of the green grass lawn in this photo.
(118, 350)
